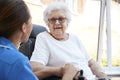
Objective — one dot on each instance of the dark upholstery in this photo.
(27, 47)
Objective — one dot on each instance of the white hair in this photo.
(57, 6)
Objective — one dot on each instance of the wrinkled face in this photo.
(57, 23)
(27, 28)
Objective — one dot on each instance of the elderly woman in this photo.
(56, 48)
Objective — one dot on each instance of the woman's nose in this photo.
(57, 22)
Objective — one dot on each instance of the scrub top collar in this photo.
(5, 43)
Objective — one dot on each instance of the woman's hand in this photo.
(69, 72)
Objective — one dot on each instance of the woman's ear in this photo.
(24, 27)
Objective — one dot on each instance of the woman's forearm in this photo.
(42, 71)
(96, 69)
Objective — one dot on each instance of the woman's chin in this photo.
(58, 31)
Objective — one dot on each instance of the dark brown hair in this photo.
(13, 14)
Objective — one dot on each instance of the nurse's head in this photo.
(15, 20)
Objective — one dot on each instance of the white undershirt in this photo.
(52, 52)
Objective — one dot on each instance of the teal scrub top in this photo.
(13, 64)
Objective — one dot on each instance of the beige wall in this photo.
(81, 4)
(47, 1)
(36, 13)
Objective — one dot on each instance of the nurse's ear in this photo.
(24, 28)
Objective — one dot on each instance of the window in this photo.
(108, 48)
